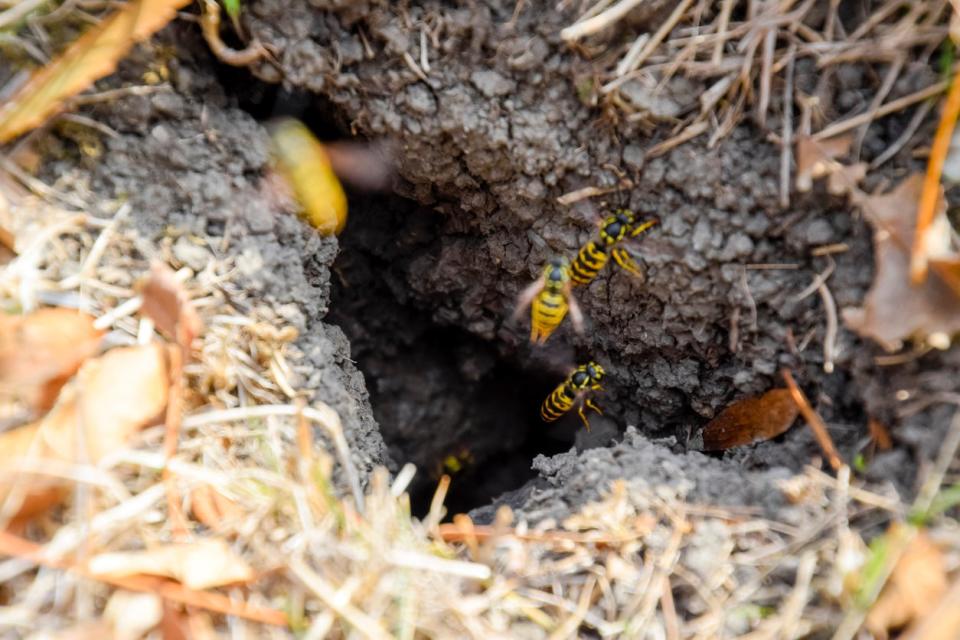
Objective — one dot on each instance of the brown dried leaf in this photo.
(111, 397)
(915, 587)
(203, 564)
(94, 55)
(40, 351)
(815, 157)
(167, 303)
(751, 420)
(894, 310)
(844, 178)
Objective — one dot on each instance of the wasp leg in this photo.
(583, 417)
(590, 403)
(640, 228)
(626, 261)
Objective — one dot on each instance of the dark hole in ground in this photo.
(444, 399)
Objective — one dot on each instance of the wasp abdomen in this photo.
(589, 261)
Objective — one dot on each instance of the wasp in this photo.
(575, 390)
(615, 230)
(549, 299)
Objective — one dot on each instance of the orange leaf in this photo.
(167, 303)
(206, 563)
(112, 397)
(916, 585)
(40, 351)
(94, 55)
(893, 310)
(751, 420)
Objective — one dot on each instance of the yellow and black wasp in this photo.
(549, 299)
(575, 390)
(616, 231)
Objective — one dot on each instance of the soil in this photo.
(427, 275)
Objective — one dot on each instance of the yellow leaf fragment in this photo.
(92, 56)
(203, 564)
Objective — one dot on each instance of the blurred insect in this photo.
(616, 231)
(304, 162)
(549, 299)
(459, 460)
(575, 390)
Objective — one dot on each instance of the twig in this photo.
(361, 622)
(599, 22)
(19, 11)
(814, 420)
(178, 521)
(321, 414)
(724, 22)
(830, 335)
(766, 75)
(931, 184)
(787, 142)
(891, 107)
(817, 282)
(662, 32)
(21, 548)
(945, 457)
(907, 134)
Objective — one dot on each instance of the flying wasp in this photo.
(616, 230)
(549, 299)
(575, 390)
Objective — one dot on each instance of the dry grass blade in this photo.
(94, 55)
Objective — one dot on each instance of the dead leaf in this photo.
(915, 587)
(203, 564)
(894, 310)
(942, 623)
(166, 302)
(751, 420)
(111, 397)
(92, 56)
(132, 615)
(40, 351)
(844, 178)
(816, 158)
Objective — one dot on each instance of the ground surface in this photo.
(426, 280)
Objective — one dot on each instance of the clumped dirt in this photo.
(427, 282)
(192, 164)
